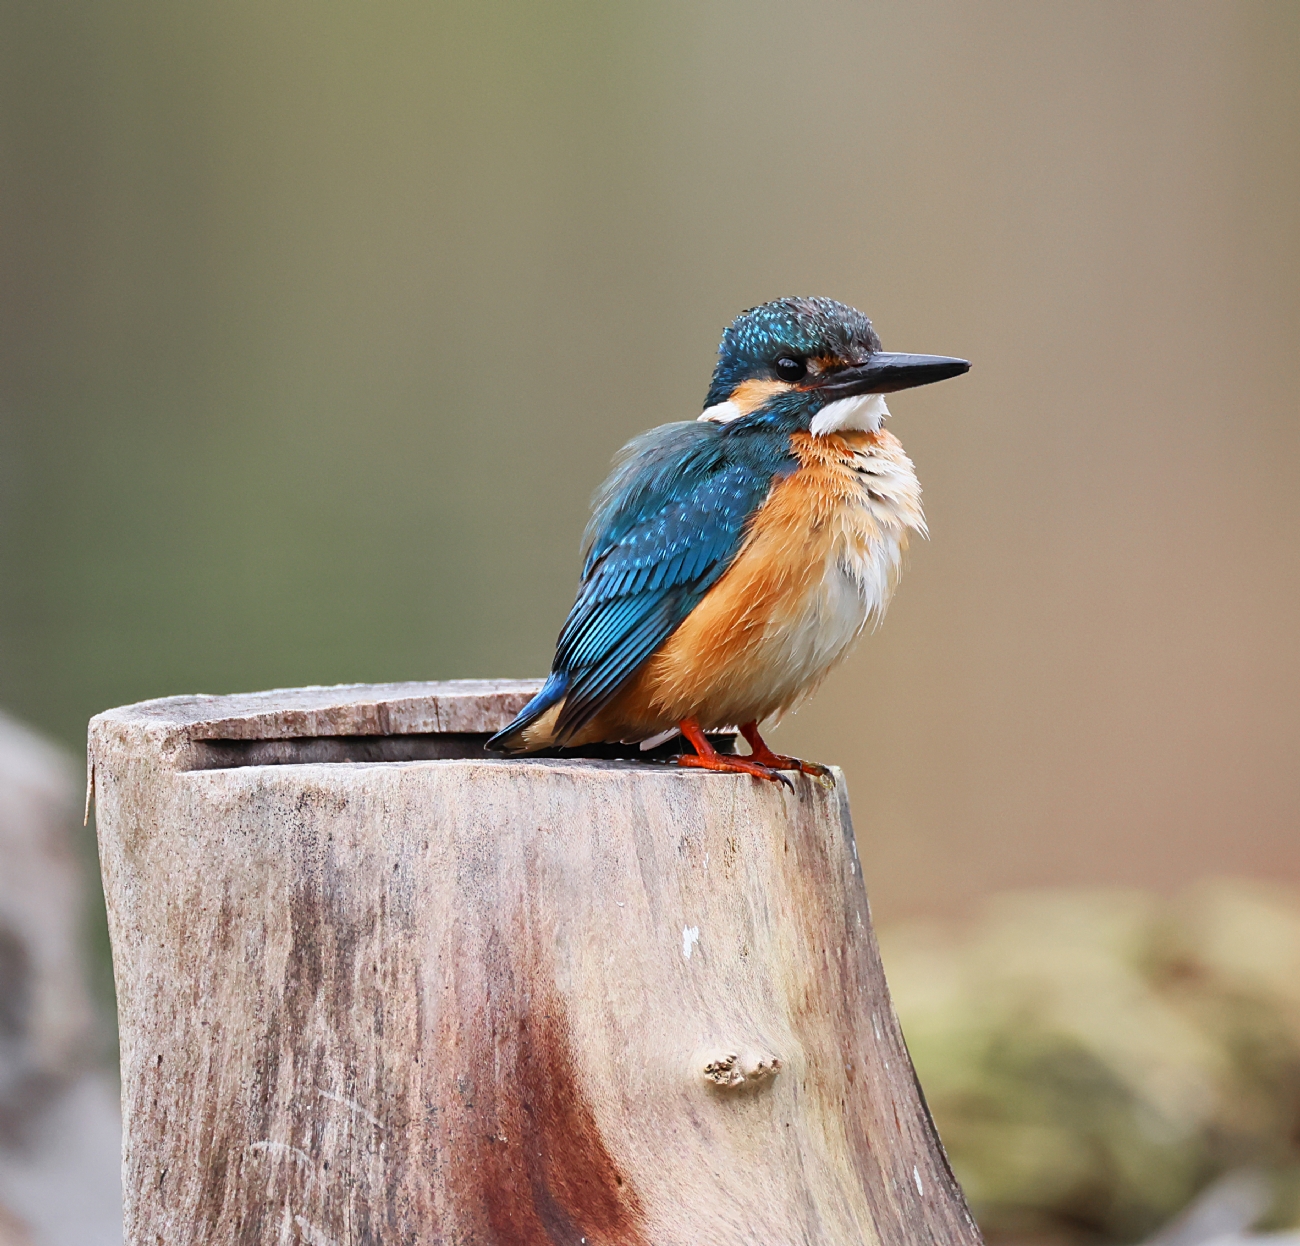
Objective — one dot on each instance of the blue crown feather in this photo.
(795, 326)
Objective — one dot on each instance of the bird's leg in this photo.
(760, 753)
(706, 757)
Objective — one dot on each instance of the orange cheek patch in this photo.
(750, 395)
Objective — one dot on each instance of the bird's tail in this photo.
(512, 739)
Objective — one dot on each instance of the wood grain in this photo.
(494, 1001)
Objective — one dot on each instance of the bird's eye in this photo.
(789, 369)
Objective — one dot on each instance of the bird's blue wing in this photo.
(666, 525)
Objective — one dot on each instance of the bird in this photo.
(732, 560)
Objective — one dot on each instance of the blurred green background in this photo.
(1096, 1057)
(321, 323)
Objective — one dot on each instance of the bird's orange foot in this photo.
(763, 756)
(726, 764)
(706, 757)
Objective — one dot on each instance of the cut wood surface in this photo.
(483, 1001)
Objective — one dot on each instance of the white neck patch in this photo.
(862, 413)
(721, 412)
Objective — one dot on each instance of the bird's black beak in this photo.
(886, 373)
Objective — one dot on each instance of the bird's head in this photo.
(812, 363)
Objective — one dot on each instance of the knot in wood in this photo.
(733, 1070)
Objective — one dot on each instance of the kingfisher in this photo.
(732, 560)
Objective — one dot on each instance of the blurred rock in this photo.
(1224, 1211)
(1222, 1215)
(12, 1230)
(59, 1125)
(47, 1022)
(65, 1182)
(1095, 1059)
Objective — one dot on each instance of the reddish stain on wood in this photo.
(544, 1177)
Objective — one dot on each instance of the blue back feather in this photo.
(666, 524)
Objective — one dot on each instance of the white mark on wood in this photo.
(311, 1234)
(690, 937)
(917, 1176)
(352, 1104)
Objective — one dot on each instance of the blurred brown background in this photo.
(322, 322)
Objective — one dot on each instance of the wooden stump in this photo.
(376, 987)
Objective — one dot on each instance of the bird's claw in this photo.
(761, 753)
(730, 764)
(815, 770)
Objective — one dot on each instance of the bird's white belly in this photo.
(856, 581)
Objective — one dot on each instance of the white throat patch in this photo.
(861, 413)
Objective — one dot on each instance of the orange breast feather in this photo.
(819, 560)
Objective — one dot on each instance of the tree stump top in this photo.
(468, 706)
(488, 1001)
